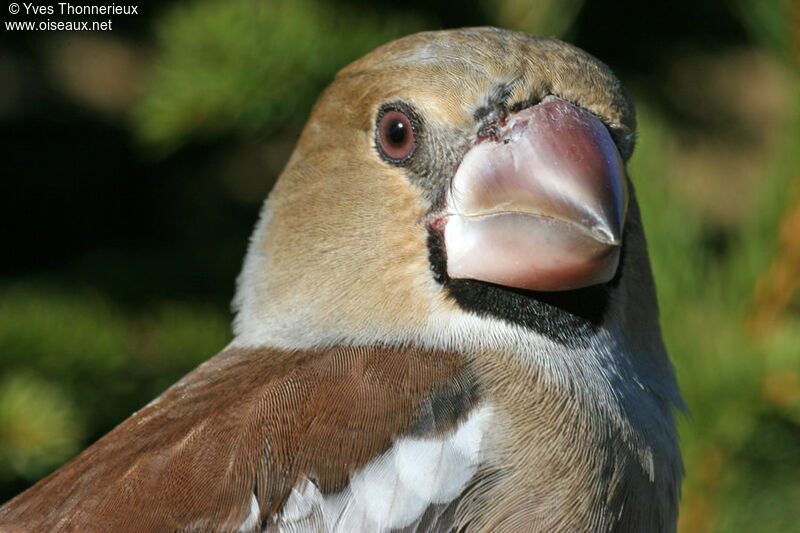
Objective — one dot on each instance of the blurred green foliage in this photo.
(94, 330)
(74, 365)
(39, 426)
(252, 66)
(741, 451)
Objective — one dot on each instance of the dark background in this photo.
(134, 163)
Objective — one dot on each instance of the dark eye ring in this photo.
(396, 139)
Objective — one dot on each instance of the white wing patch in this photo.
(393, 490)
(301, 503)
(250, 522)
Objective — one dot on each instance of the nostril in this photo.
(488, 133)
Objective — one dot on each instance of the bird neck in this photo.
(575, 449)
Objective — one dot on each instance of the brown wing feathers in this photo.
(246, 422)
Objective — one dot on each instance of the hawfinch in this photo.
(446, 321)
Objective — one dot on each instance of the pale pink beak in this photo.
(541, 206)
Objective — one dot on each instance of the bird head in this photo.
(449, 179)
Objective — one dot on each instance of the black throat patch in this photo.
(570, 318)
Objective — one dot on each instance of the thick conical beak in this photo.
(541, 206)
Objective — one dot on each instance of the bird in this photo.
(446, 321)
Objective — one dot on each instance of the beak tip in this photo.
(608, 236)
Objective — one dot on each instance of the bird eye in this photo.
(395, 135)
